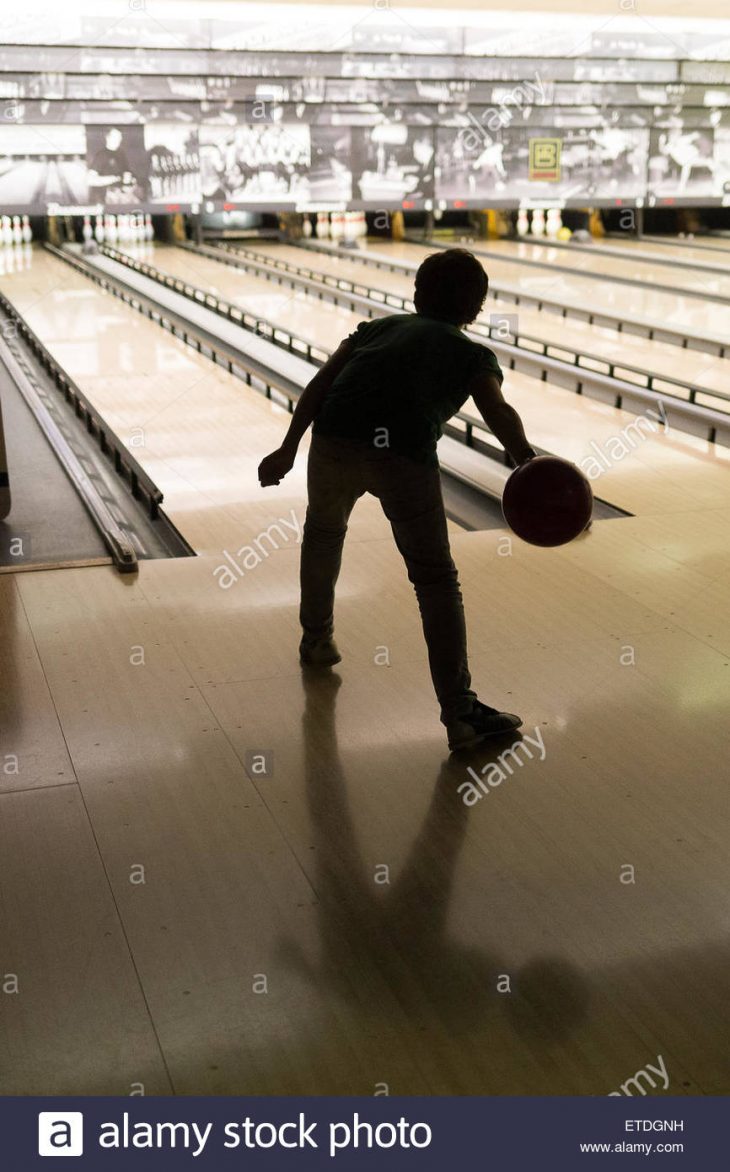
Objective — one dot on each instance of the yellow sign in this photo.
(545, 159)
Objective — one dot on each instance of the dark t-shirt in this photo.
(406, 376)
(106, 162)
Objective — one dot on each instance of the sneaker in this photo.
(465, 731)
(318, 652)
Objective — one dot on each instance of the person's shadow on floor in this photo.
(387, 950)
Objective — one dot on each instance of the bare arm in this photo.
(500, 417)
(276, 465)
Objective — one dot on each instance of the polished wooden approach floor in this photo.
(177, 918)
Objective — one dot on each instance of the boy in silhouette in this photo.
(378, 406)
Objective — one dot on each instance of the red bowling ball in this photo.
(547, 501)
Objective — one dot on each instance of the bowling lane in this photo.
(202, 431)
(681, 253)
(334, 262)
(662, 475)
(637, 303)
(50, 180)
(603, 266)
(257, 295)
(196, 429)
(659, 358)
(702, 244)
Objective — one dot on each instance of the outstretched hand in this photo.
(274, 467)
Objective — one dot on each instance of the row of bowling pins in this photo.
(15, 231)
(111, 229)
(337, 225)
(540, 224)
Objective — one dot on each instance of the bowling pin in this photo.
(322, 228)
(99, 230)
(538, 222)
(523, 223)
(7, 230)
(87, 231)
(306, 227)
(111, 230)
(27, 230)
(149, 231)
(554, 222)
(337, 226)
(17, 231)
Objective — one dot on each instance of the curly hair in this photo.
(451, 285)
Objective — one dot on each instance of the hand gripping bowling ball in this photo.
(547, 501)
